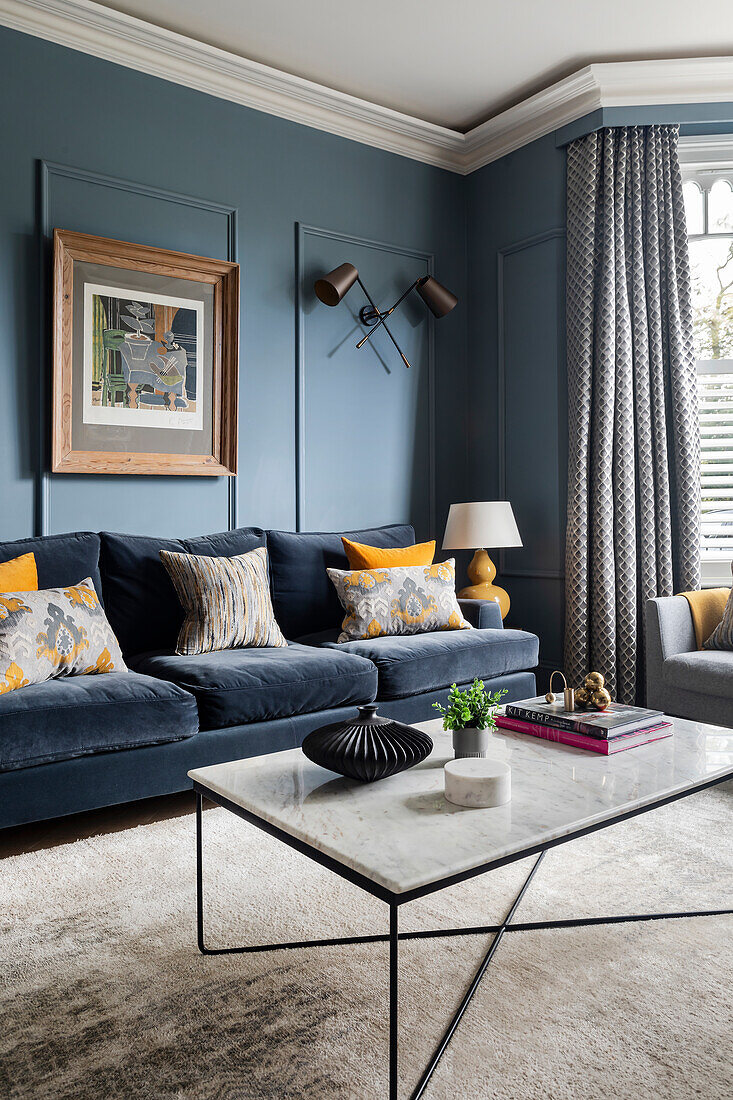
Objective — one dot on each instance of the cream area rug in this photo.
(105, 995)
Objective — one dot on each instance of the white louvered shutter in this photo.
(715, 390)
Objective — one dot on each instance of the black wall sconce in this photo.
(332, 288)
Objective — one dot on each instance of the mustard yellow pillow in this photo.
(19, 574)
(362, 556)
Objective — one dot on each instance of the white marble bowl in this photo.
(478, 782)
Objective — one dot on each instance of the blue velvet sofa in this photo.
(79, 743)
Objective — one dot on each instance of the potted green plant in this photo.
(470, 717)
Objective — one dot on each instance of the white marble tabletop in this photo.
(402, 834)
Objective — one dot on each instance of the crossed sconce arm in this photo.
(333, 287)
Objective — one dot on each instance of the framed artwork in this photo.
(145, 359)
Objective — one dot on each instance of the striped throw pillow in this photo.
(722, 636)
(226, 600)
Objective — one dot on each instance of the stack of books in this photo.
(612, 730)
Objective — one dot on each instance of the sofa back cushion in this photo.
(303, 597)
(61, 560)
(139, 596)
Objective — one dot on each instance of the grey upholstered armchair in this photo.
(681, 679)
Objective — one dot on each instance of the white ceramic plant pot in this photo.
(470, 742)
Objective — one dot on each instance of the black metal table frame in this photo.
(395, 900)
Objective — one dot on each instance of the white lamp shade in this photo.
(481, 524)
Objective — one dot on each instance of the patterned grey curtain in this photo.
(634, 466)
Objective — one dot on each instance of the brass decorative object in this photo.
(568, 693)
(592, 695)
(582, 697)
(600, 699)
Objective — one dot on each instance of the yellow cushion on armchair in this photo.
(722, 635)
(706, 607)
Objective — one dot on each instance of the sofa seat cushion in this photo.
(235, 686)
(707, 672)
(80, 715)
(424, 662)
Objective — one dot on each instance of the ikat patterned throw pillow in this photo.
(722, 636)
(405, 600)
(54, 632)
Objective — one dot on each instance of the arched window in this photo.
(694, 206)
(720, 207)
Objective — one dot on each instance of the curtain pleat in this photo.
(633, 527)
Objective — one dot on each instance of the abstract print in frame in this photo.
(140, 359)
(145, 359)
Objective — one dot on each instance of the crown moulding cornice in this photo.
(124, 40)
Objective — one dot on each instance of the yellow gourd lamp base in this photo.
(481, 573)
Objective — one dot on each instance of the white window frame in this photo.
(703, 160)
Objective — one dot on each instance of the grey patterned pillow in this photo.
(722, 636)
(415, 599)
(54, 632)
(226, 600)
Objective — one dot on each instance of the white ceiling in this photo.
(452, 62)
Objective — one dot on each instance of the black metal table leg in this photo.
(448, 1034)
(393, 1002)
(199, 877)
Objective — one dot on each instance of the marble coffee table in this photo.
(399, 839)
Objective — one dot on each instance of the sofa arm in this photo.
(482, 613)
(669, 630)
(669, 626)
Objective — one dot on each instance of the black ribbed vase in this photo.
(368, 747)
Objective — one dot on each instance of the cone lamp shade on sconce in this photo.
(436, 297)
(333, 287)
(474, 526)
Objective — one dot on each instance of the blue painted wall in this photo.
(517, 411)
(134, 143)
(160, 164)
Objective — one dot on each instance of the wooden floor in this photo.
(64, 830)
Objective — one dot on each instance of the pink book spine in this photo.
(579, 740)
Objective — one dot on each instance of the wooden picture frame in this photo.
(159, 400)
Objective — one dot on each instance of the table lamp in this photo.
(475, 526)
